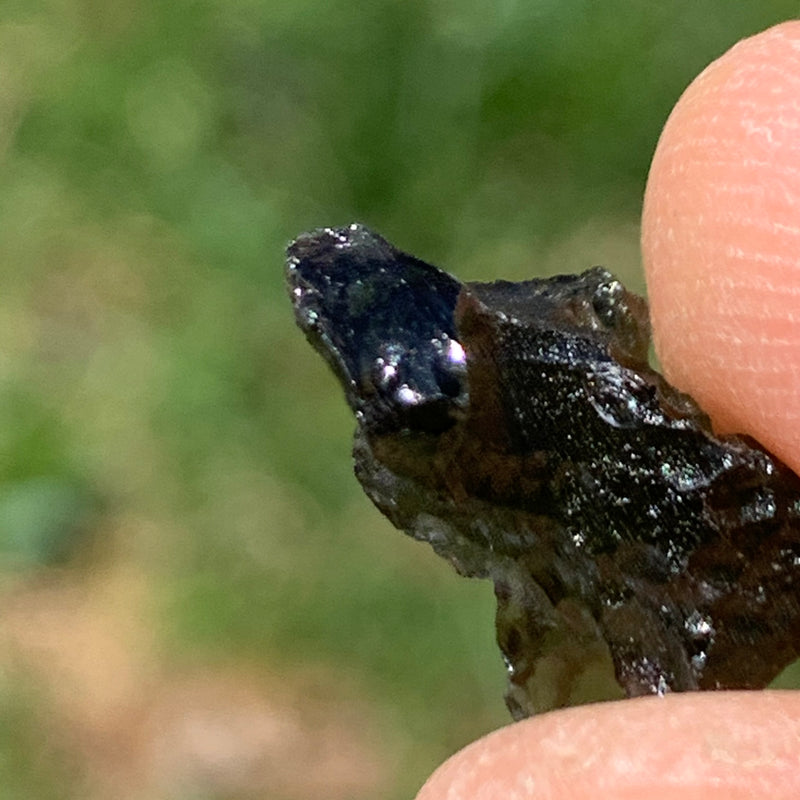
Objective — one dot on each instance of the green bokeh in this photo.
(156, 159)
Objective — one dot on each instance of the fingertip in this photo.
(721, 241)
(714, 745)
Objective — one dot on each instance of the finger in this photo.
(715, 746)
(721, 241)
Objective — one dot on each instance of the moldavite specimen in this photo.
(518, 429)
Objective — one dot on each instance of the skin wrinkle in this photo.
(752, 221)
(769, 287)
(767, 258)
(758, 164)
(757, 282)
(744, 369)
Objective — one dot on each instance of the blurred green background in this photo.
(197, 600)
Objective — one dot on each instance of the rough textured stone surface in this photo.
(518, 429)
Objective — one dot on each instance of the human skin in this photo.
(721, 247)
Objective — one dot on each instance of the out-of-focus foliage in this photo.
(165, 427)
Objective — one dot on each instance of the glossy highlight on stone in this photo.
(519, 430)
